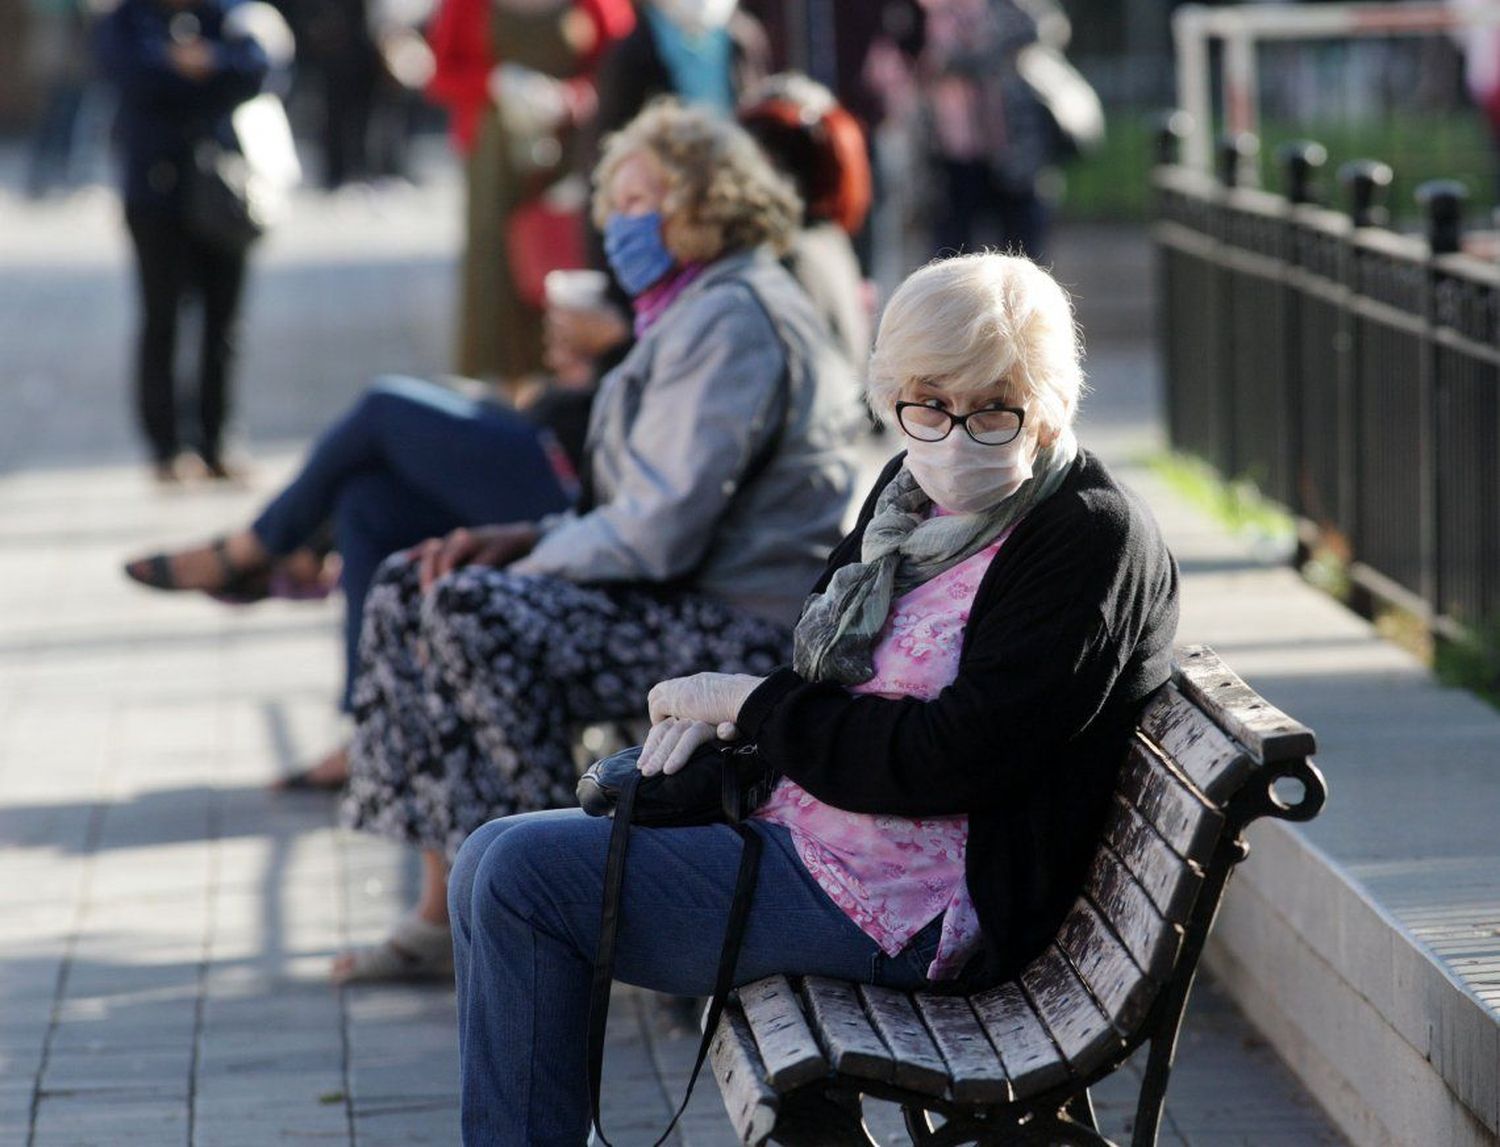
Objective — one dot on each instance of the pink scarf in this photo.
(655, 299)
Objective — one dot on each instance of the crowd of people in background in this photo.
(636, 504)
(664, 314)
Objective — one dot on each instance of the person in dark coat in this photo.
(180, 75)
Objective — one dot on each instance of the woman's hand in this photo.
(712, 698)
(586, 331)
(481, 546)
(672, 742)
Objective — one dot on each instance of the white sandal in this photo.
(414, 951)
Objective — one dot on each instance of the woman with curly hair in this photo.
(716, 480)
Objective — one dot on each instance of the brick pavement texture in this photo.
(166, 923)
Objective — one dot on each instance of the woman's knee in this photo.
(466, 865)
(533, 866)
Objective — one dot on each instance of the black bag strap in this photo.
(604, 960)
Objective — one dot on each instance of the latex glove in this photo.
(714, 698)
(531, 103)
(672, 742)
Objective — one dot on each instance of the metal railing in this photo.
(1351, 372)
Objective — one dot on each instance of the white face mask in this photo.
(964, 477)
(697, 17)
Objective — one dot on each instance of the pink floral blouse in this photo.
(890, 874)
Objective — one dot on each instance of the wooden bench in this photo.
(1013, 1064)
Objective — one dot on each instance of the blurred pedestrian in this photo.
(717, 475)
(704, 52)
(812, 139)
(992, 137)
(516, 79)
(180, 74)
(56, 59)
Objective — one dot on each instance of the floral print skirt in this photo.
(468, 697)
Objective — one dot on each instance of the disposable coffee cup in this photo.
(576, 290)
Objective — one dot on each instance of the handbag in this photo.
(1069, 100)
(545, 234)
(236, 190)
(719, 783)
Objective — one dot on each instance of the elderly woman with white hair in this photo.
(964, 681)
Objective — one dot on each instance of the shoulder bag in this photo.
(720, 783)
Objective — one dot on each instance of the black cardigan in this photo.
(1069, 634)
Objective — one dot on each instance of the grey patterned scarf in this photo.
(902, 548)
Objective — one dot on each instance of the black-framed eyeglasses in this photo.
(994, 426)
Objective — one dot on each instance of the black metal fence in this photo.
(1353, 373)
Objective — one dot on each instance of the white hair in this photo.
(964, 323)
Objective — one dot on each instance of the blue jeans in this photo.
(410, 460)
(525, 896)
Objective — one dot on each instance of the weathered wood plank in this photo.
(1171, 882)
(1181, 816)
(839, 1022)
(787, 1048)
(1082, 1032)
(919, 1064)
(1027, 1052)
(978, 1076)
(1117, 983)
(750, 1101)
(1152, 941)
(1205, 754)
(1254, 722)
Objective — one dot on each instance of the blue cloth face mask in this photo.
(635, 250)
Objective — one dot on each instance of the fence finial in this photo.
(1365, 179)
(1236, 151)
(1301, 160)
(1443, 201)
(1172, 127)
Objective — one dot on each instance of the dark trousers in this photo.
(410, 460)
(173, 267)
(977, 209)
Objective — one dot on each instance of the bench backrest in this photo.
(1202, 764)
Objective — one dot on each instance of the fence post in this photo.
(1236, 153)
(1300, 161)
(1171, 130)
(1443, 202)
(1364, 180)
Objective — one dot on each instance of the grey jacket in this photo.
(675, 427)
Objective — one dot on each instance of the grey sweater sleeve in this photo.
(712, 383)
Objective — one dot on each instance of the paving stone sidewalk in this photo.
(166, 923)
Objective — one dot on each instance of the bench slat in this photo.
(853, 1046)
(919, 1064)
(1083, 1033)
(1121, 988)
(1182, 817)
(978, 1076)
(1029, 1056)
(787, 1047)
(1151, 940)
(1208, 757)
(751, 1102)
(1266, 731)
(1171, 882)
